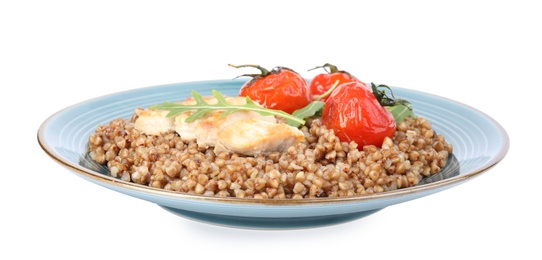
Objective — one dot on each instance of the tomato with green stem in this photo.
(281, 88)
(354, 114)
(324, 81)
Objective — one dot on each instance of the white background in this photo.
(54, 54)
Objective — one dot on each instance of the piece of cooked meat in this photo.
(252, 136)
(243, 132)
(153, 122)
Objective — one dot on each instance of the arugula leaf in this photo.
(313, 108)
(400, 112)
(202, 107)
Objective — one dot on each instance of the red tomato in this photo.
(324, 81)
(354, 114)
(281, 89)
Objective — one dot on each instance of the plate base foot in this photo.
(269, 223)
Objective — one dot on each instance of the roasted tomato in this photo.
(355, 114)
(281, 88)
(324, 81)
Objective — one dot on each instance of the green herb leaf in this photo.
(313, 108)
(400, 112)
(202, 107)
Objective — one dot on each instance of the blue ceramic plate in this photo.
(479, 144)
